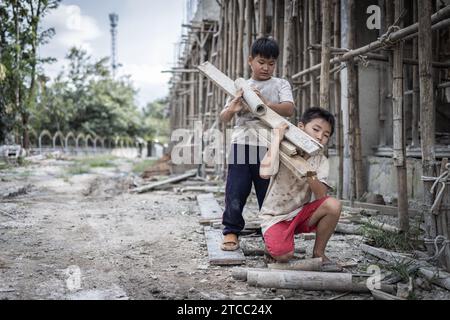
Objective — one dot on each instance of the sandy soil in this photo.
(86, 237)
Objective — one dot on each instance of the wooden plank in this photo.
(295, 135)
(383, 209)
(295, 163)
(285, 146)
(216, 255)
(209, 208)
(208, 189)
(155, 185)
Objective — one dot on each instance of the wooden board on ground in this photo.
(216, 255)
(155, 185)
(387, 210)
(209, 208)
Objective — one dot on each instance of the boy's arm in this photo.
(234, 107)
(318, 188)
(271, 162)
(284, 109)
(317, 180)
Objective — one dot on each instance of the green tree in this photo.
(20, 37)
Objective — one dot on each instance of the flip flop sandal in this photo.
(230, 245)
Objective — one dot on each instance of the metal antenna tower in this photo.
(114, 19)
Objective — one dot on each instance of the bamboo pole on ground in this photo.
(326, 55)
(427, 111)
(337, 101)
(399, 145)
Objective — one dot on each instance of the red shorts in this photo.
(279, 238)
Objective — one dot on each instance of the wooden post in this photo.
(353, 106)
(240, 53)
(399, 154)
(415, 70)
(383, 86)
(249, 13)
(427, 111)
(229, 66)
(313, 39)
(306, 99)
(234, 44)
(287, 40)
(326, 55)
(262, 18)
(337, 101)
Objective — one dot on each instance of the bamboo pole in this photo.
(262, 18)
(234, 38)
(287, 39)
(382, 81)
(240, 53)
(337, 101)
(306, 99)
(313, 60)
(229, 66)
(353, 105)
(427, 111)
(326, 55)
(399, 147)
(249, 14)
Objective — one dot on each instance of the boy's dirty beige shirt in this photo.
(287, 194)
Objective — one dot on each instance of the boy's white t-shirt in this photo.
(275, 90)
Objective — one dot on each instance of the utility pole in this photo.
(114, 19)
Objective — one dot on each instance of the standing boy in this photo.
(288, 208)
(246, 150)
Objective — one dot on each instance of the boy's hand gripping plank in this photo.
(295, 135)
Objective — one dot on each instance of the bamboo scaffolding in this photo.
(395, 36)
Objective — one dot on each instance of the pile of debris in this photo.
(160, 168)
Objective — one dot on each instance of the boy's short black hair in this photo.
(266, 47)
(318, 113)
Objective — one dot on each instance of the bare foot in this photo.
(325, 259)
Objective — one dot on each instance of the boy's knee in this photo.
(334, 207)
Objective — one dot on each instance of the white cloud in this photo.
(72, 27)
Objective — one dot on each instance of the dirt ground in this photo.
(84, 236)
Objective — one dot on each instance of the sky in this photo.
(147, 33)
